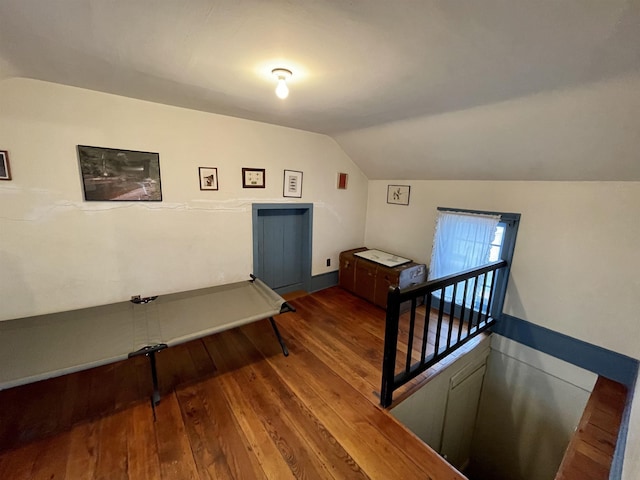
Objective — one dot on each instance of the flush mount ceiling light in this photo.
(282, 74)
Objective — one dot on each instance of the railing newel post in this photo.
(390, 346)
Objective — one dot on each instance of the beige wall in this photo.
(59, 252)
(584, 132)
(530, 406)
(576, 261)
(576, 257)
(424, 411)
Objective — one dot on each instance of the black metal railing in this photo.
(456, 309)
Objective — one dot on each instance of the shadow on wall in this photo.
(513, 301)
(525, 421)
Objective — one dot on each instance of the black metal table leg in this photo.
(150, 351)
(155, 398)
(285, 351)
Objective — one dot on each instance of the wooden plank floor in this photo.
(233, 407)
(590, 452)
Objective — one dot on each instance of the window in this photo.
(466, 239)
(496, 243)
(495, 248)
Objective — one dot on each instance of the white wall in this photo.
(576, 261)
(424, 411)
(530, 406)
(59, 252)
(582, 132)
(576, 256)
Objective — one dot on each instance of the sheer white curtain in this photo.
(461, 241)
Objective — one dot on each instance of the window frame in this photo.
(511, 222)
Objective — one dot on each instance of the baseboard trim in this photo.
(324, 280)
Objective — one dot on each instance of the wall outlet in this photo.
(328, 262)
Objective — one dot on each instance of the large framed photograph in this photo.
(292, 184)
(398, 194)
(119, 175)
(208, 178)
(5, 170)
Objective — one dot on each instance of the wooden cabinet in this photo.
(371, 280)
(347, 269)
(365, 279)
(384, 280)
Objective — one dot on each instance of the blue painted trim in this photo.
(324, 280)
(308, 239)
(607, 363)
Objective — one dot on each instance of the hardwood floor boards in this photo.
(590, 452)
(233, 407)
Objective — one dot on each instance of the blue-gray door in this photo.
(282, 246)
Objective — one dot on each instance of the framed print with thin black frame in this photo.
(398, 194)
(5, 169)
(292, 184)
(253, 178)
(208, 178)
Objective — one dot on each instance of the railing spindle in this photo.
(439, 324)
(452, 313)
(463, 308)
(412, 323)
(425, 332)
(490, 302)
(395, 297)
(473, 303)
(484, 287)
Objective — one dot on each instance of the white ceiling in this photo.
(364, 71)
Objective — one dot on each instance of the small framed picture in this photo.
(292, 184)
(253, 178)
(5, 170)
(208, 178)
(343, 178)
(398, 194)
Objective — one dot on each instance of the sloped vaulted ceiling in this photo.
(527, 90)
